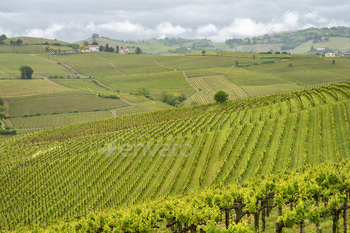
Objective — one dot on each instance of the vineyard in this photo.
(67, 173)
(207, 86)
(301, 200)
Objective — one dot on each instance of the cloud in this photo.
(49, 32)
(122, 27)
(207, 29)
(138, 20)
(167, 29)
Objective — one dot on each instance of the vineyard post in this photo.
(227, 218)
(345, 227)
(317, 204)
(238, 211)
(279, 225)
(302, 225)
(256, 217)
(335, 219)
(263, 214)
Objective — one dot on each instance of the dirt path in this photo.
(66, 67)
(7, 108)
(168, 67)
(116, 68)
(184, 73)
(6, 113)
(53, 82)
(104, 85)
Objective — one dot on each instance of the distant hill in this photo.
(299, 41)
(31, 45)
(311, 40)
(34, 41)
(103, 41)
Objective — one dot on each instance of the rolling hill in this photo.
(64, 173)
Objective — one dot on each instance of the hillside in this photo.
(299, 41)
(64, 173)
(296, 197)
(72, 88)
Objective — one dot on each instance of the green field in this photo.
(215, 145)
(22, 88)
(41, 67)
(123, 75)
(62, 104)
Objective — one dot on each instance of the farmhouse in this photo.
(320, 49)
(347, 54)
(92, 48)
(124, 51)
(330, 54)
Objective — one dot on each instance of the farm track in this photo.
(111, 89)
(116, 68)
(6, 113)
(66, 67)
(193, 86)
(171, 68)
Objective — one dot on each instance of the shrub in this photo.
(108, 96)
(173, 99)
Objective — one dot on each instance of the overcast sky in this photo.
(145, 19)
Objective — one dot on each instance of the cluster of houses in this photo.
(91, 49)
(96, 48)
(346, 54)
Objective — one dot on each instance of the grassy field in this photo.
(124, 75)
(156, 83)
(226, 144)
(22, 88)
(62, 104)
(12, 62)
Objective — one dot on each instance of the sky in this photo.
(146, 19)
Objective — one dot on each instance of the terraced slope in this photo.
(70, 171)
(207, 86)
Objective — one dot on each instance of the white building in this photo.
(125, 51)
(92, 48)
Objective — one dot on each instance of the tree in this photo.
(3, 37)
(95, 35)
(333, 62)
(236, 62)
(117, 49)
(172, 98)
(81, 47)
(143, 91)
(26, 72)
(138, 51)
(18, 41)
(94, 43)
(111, 49)
(75, 46)
(86, 43)
(107, 48)
(101, 48)
(203, 52)
(220, 96)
